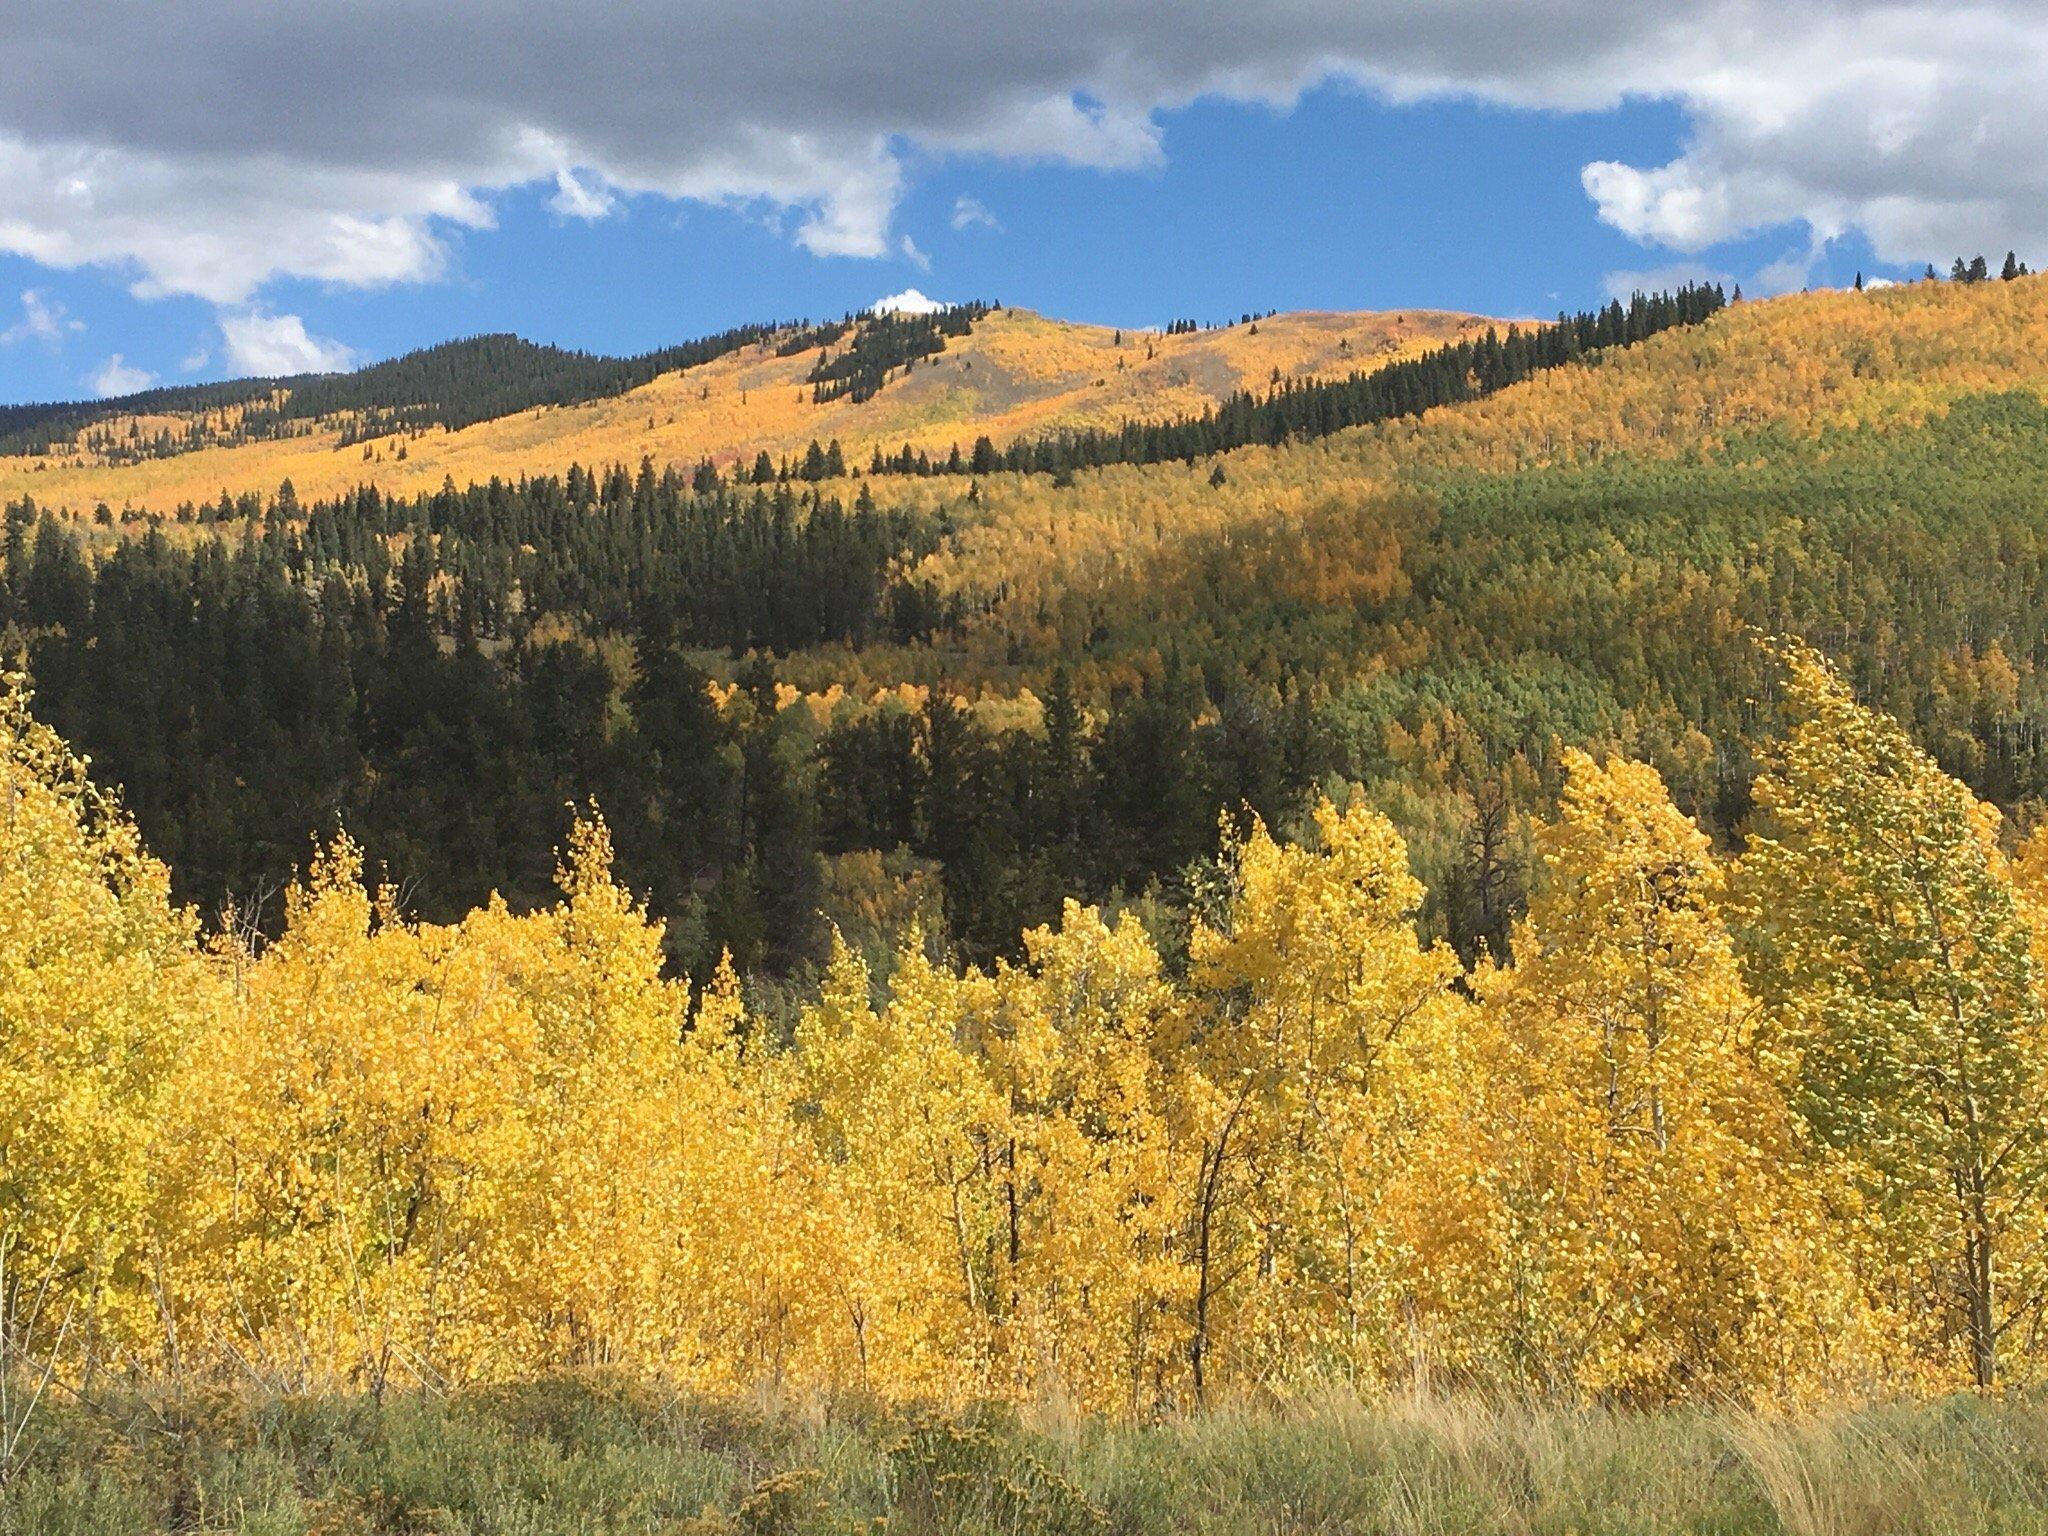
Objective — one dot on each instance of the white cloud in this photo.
(116, 377)
(581, 197)
(1619, 285)
(972, 213)
(219, 225)
(908, 302)
(199, 151)
(1788, 274)
(1910, 122)
(42, 319)
(916, 257)
(270, 345)
(195, 360)
(1669, 206)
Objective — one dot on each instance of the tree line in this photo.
(441, 674)
(1295, 411)
(452, 385)
(884, 343)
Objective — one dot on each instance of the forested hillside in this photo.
(454, 385)
(496, 405)
(441, 674)
(1527, 873)
(811, 695)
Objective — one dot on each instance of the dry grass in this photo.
(591, 1455)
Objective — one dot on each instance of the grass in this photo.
(587, 1455)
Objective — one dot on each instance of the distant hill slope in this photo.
(727, 399)
(1428, 603)
(454, 384)
(1867, 404)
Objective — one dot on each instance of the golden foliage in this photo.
(1016, 375)
(1662, 1224)
(1895, 953)
(1689, 1143)
(1034, 561)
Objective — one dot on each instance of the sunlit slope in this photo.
(1799, 365)
(1774, 377)
(1017, 374)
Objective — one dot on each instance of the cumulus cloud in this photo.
(218, 225)
(117, 377)
(908, 302)
(43, 319)
(208, 148)
(271, 345)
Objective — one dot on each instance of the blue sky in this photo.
(1344, 202)
(1119, 165)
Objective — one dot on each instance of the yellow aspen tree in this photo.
(1322, 1054)
(756, 1243)
(278, 1272)
(362, 1126)
(458, 1151)
(1895, 961)
(1662, 1233)
(600, 1111)
(904, 1114)
(2030, 889)
(1092, 1293)
(101, 987)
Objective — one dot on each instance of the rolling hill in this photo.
(1432, 607)
(1014, 375)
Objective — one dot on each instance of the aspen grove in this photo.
(1763, 1123)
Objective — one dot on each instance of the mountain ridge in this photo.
(1015, 374)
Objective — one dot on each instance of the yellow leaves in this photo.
(1658, 1231)
(1324, 944)
(1324, 1066)
(905, 1118)
(384, 1150)
(1893, 951)
(100, 989)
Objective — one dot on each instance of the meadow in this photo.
(576, 1455)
